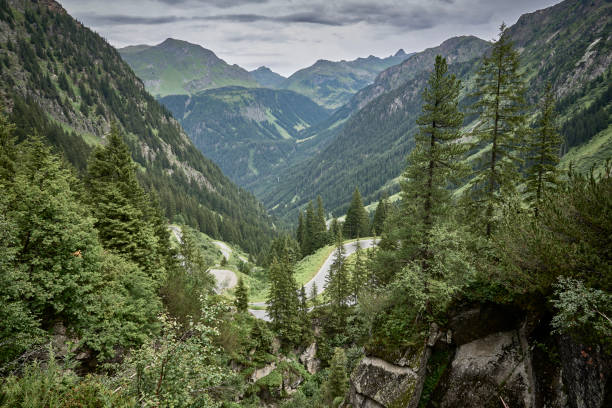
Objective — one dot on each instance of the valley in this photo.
(261, 204)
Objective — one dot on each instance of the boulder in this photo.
(488, 370)
(262, 372)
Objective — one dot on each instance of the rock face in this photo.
(585, 372)
(309, 360)
(487, 370)
(376, 383)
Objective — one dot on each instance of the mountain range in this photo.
(177, 67)
(368, 139)
(66, 83)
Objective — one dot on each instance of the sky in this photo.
(287, 35)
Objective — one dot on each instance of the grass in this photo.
(594, 153)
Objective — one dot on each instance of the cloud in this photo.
(215, 3)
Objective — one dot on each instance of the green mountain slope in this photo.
(248, 132)
(332, 83)
(267, 78)
(177, 67)
(65, 82)
(568, 44)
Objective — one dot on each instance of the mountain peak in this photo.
(400, 53)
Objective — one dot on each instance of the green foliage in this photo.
(380, 215)
(501, 108)
(50, 385)
(242, 297)
(434, 162)
(582, 310)
(336, 385)
(338, 288)
(543, 147)
(283, 302)
(356, 223)
(181, 367)
(569, 238)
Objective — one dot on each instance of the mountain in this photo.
(248, 132)
(332, 83)
(66, 83)
(568, 44)
(177, 67)
(267, 78)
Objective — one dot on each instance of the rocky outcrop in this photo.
(376, 383)
(488, 370)
(309, 360)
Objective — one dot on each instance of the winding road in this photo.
(225, 278)
(320, 278)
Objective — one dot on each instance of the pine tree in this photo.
(242, 296)
(543, 148)
(311, 230)
(434, 161)
(283, 302)
(120, 204)
(359, 277)
(313, 295)
(304, 319)
(337, 383)
(380, 215)
(335, 230)
(321, 237)
(300, 233)
(338, 286)
(501, 108)
(356, 223)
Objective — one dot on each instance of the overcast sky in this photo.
(287, 35)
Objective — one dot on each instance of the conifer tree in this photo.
(242, 296)
(337, 383)
(356, 223)
(321, 237)
(501, 108)
(300, 233)
(338, 286)
(544, 147)
(334, 230)
(311, 230)
(314, 292)
(359, 277)
(120, 204)
(434, 161)
(283, 302)
(380, 215)
(304, 319)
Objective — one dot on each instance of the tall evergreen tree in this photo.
(321, 238)
(337, 383)
(300, 233)
(311, 230)
(338, 286)
(242, 296)
(543, 157)
(359, 277)
(356, 223)
(434, 161)
(502, 109)
(120, 205)
(380, 215)
(283, 302)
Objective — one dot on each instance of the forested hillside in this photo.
(66, 83)
(177, 67)
(567, 44)
(332, 83)
(250, 133)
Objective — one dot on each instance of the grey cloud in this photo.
(216, 3)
